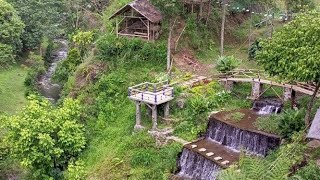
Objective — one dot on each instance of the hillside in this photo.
(88, 130)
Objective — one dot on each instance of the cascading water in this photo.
(267, 106)
(224, 139)
(239, 139)
(48, 89)
(195, 166)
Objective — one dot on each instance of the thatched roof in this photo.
(144, 7)
(314, 131)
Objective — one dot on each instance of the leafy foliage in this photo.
(291, 121)
(285, 124)
(43, 138)
(311, 171)
(291, 53)
(10, 32)
(75, 171)
(111, 48)
(37, 68)
(275, 166)
(6, 55)
(82, 40)
(67, 67)
(41, 18)
(227, 63)
(254, 48)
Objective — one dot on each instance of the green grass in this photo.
(12, 89)
(236, 116)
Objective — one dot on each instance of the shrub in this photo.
(75, 171)
(67, 67)
(311, 171)
(6, 55)
(111, 48)
(291, 121)
(254, 48)
(227, 63)
(37, 68)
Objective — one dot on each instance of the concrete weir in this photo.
(221, 146)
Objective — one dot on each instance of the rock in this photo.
(314, 144)
(225, 162)
(210, 154)
(181, 103)
(202, 150)
(218, 158)
(193, 146)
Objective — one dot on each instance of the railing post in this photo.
(155, 98)
(129, 92)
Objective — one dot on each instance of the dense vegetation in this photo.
(89, 133)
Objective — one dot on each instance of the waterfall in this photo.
(238, 139)
(194, 166)
(267, 106)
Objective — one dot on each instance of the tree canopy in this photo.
(293, 52)
(44, 138)
(11, 28)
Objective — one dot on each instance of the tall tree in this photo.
(293, 53)
(41, 17)
(11, 28)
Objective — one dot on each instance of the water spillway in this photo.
(267, 106)
(237, 138)
(221, 146)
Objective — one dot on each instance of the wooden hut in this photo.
(139, 19)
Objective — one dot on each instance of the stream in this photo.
(46, 87)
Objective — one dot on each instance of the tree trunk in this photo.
(169, 46)
(307, 118)
(222, 28)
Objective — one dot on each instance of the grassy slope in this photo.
(12, 89)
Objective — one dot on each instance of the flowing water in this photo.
(267, 106)
(48, 89)
(194, 166)
(238, 139)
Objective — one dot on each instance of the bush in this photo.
(67, 67)
(254, 48)
(37, 68)
(291, 121)
(311, 171)
(227, 63)
(111, 48)
(6, 55)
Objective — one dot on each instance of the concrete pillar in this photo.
(138, 125)
(228, 85)
(154, 117)
(257, 88)
(287, 94)
(166, 110)
(149, 110)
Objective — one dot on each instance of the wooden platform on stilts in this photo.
(152, 95)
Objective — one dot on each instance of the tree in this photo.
(83, 40)
(44, 138)
(41, 17)
(293, 53)
(11, 28)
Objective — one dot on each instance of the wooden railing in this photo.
(152, 92)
